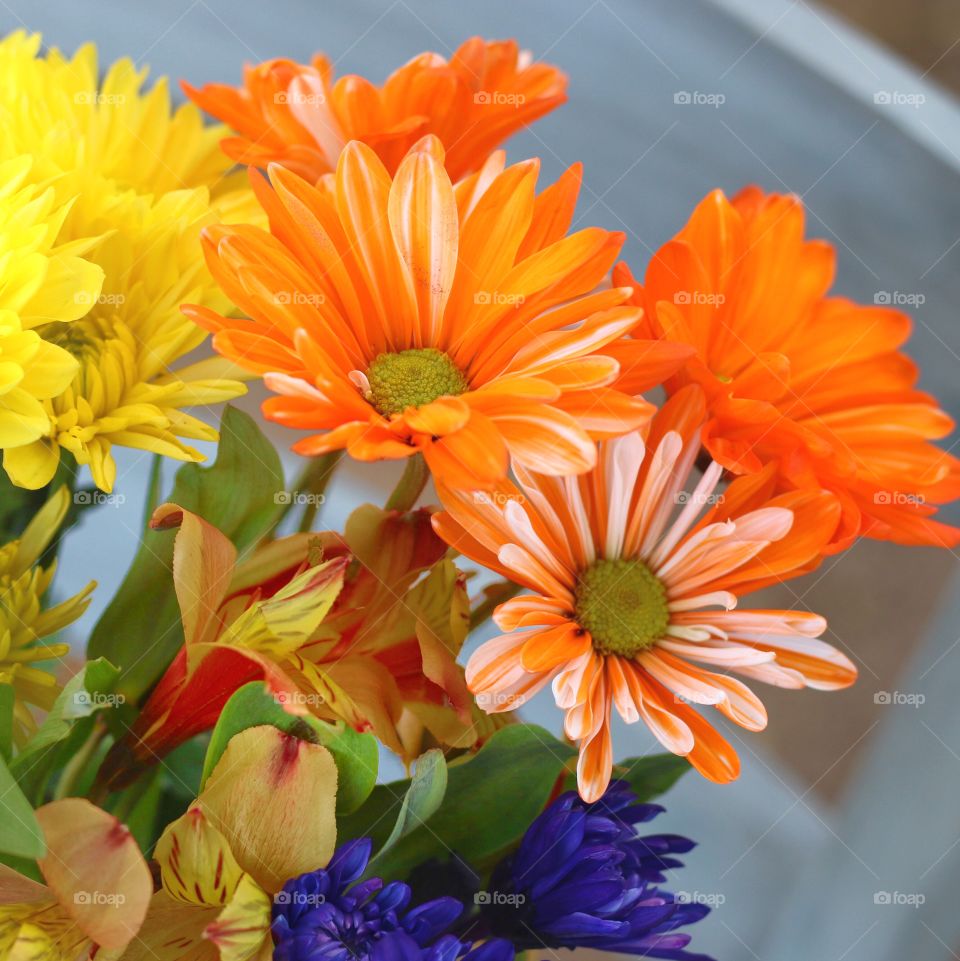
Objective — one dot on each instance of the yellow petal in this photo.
(196, 863)
(41, 530)
(242, 929)
(273, 796)
(50, 372)
(22, 418)
(33, 465)
(95, 869)
(172, 931)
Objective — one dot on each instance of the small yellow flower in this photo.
(140, 180)
(24, 621)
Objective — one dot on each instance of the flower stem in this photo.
(410, 486)
(74, 768)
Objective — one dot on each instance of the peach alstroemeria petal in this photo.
(272, 796)
(94, 867)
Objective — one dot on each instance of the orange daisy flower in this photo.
(296, 115)
(814, 383)
(406, 315)
(628, 570)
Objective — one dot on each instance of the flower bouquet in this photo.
(617, 462)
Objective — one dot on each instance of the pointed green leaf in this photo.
(20, 833)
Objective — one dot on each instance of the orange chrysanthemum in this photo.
(814, 383)
(410, 316)
(625, 572)
(294, 114)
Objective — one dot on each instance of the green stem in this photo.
(75, 766)
(130, 798)
(410, 486)
(316, 481)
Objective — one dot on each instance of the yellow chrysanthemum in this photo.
(142, 180)
(41, 280)
(24, 621)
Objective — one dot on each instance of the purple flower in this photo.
(582, 877)
(331, 915)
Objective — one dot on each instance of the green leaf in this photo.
(652, 775)
(490, 800)
(20, 833)
(66, 726)
(356, 755)
(423, 798)
(237, 494)
(7, 698)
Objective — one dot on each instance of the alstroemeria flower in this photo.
(352, 638)
(266, 814)
(96, 893)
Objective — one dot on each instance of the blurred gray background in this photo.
(840, 842)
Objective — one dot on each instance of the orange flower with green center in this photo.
(812, 383)
(296, 115)
(627, 570)
(404, 315)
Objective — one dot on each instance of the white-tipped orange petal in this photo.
(273, 797)
(95, 869)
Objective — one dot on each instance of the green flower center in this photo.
(623, 605)
(413, 378)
